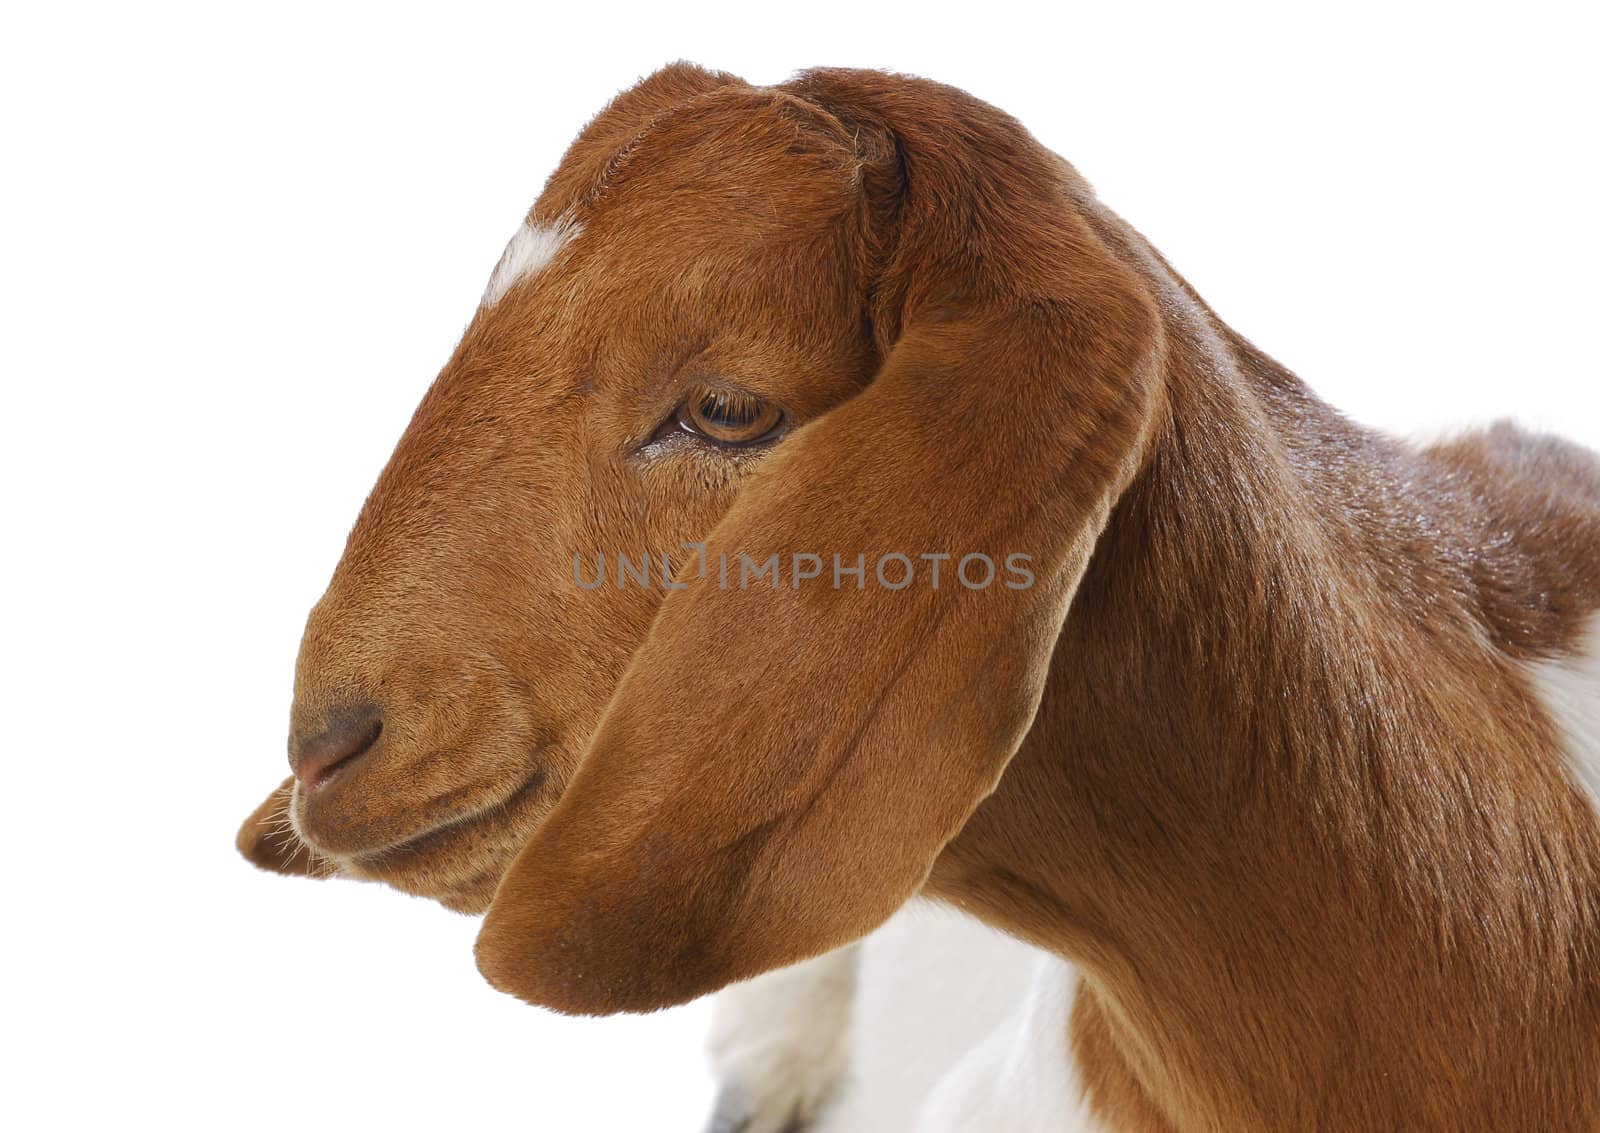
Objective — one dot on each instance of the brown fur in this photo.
(1255, 751)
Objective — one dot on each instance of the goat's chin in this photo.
(470, 895)
(460, 870)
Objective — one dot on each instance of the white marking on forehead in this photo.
(1570, 689)
(534, 246)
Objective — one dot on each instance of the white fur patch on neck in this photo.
(1023, 1077)
(1570, 690)
(533, 247)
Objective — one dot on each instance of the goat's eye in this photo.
(729, 417)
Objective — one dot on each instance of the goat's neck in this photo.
(1289, 801)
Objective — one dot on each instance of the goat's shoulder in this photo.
(1528, 508)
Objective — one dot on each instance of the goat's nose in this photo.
(350, 734)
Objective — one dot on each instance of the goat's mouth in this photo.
(457, 860)
(421, 846)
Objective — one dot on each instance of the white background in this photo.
(238, 241)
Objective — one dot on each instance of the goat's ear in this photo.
(267, 840)
(780, 767)
(589, 158)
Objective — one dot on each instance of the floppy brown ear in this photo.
(268, 842)
(779, 768)
(595, 150)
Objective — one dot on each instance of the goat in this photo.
(1273, 747)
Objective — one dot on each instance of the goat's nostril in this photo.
(350, 734)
